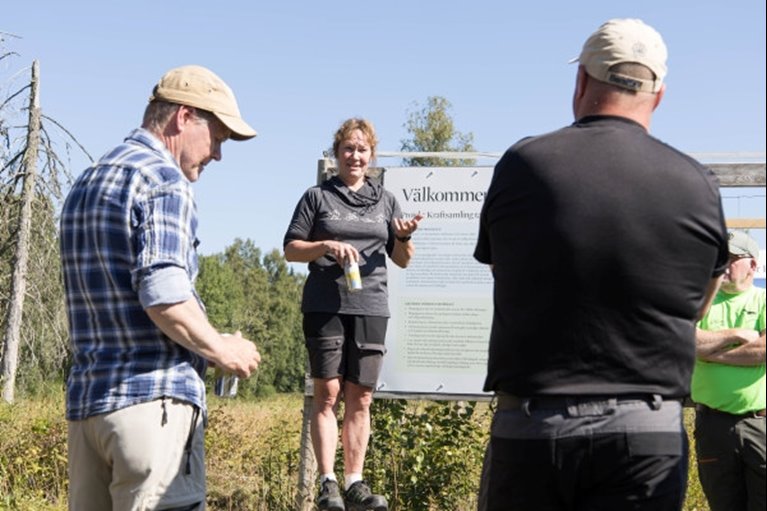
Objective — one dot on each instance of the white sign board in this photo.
(441, 305)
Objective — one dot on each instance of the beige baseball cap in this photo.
(625, 40)
(201, 88)
(741, 244)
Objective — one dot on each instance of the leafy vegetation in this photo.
(424, 455)
(431, 129)
(33, 455)
(427, 455)
(261, 297)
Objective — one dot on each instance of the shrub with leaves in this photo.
(252, 454)
(33, 456)
(427, 455)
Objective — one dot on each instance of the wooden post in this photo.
(307, 467)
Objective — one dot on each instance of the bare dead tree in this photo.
(11, 336)
(34, 350)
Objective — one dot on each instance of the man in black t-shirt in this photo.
(605, 245)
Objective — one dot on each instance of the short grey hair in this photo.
(157, 114)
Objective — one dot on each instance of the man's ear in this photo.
(177, 121)
(580, 82)
(659, 96)
(184, 116)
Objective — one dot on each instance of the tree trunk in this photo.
(12, 335)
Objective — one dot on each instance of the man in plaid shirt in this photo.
(139, 333)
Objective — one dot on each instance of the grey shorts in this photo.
(344, 345)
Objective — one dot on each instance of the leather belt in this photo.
(511, 402)
(703, 408)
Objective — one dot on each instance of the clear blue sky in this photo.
(299, 68)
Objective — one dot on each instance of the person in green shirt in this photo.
(728, 386)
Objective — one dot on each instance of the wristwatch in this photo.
(403, 239)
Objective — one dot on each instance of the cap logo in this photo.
(639, 49)
(624, 81)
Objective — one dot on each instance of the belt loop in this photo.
(657, 402)
(526, 406)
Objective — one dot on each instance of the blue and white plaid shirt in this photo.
(127, 229)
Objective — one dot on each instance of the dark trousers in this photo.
(731, 460)
(586, 455)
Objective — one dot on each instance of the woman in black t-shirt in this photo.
(348, 219)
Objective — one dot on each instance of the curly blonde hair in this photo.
(345, 131)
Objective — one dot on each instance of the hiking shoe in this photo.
(360, 498)
(330, 497)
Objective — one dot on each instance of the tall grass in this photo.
(252, 455)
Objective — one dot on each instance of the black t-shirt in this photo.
(331, 211)
(602, 240)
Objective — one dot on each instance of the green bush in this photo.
(33, 456)
(427, 455)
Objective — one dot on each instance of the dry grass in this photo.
(252, 457)
(253, 453)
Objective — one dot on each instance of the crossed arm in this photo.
(732, 346)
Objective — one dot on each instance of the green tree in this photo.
(260, 297)
(284, 321)
(431, 129)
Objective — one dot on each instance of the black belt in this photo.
(510, 402)
(756, 413)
